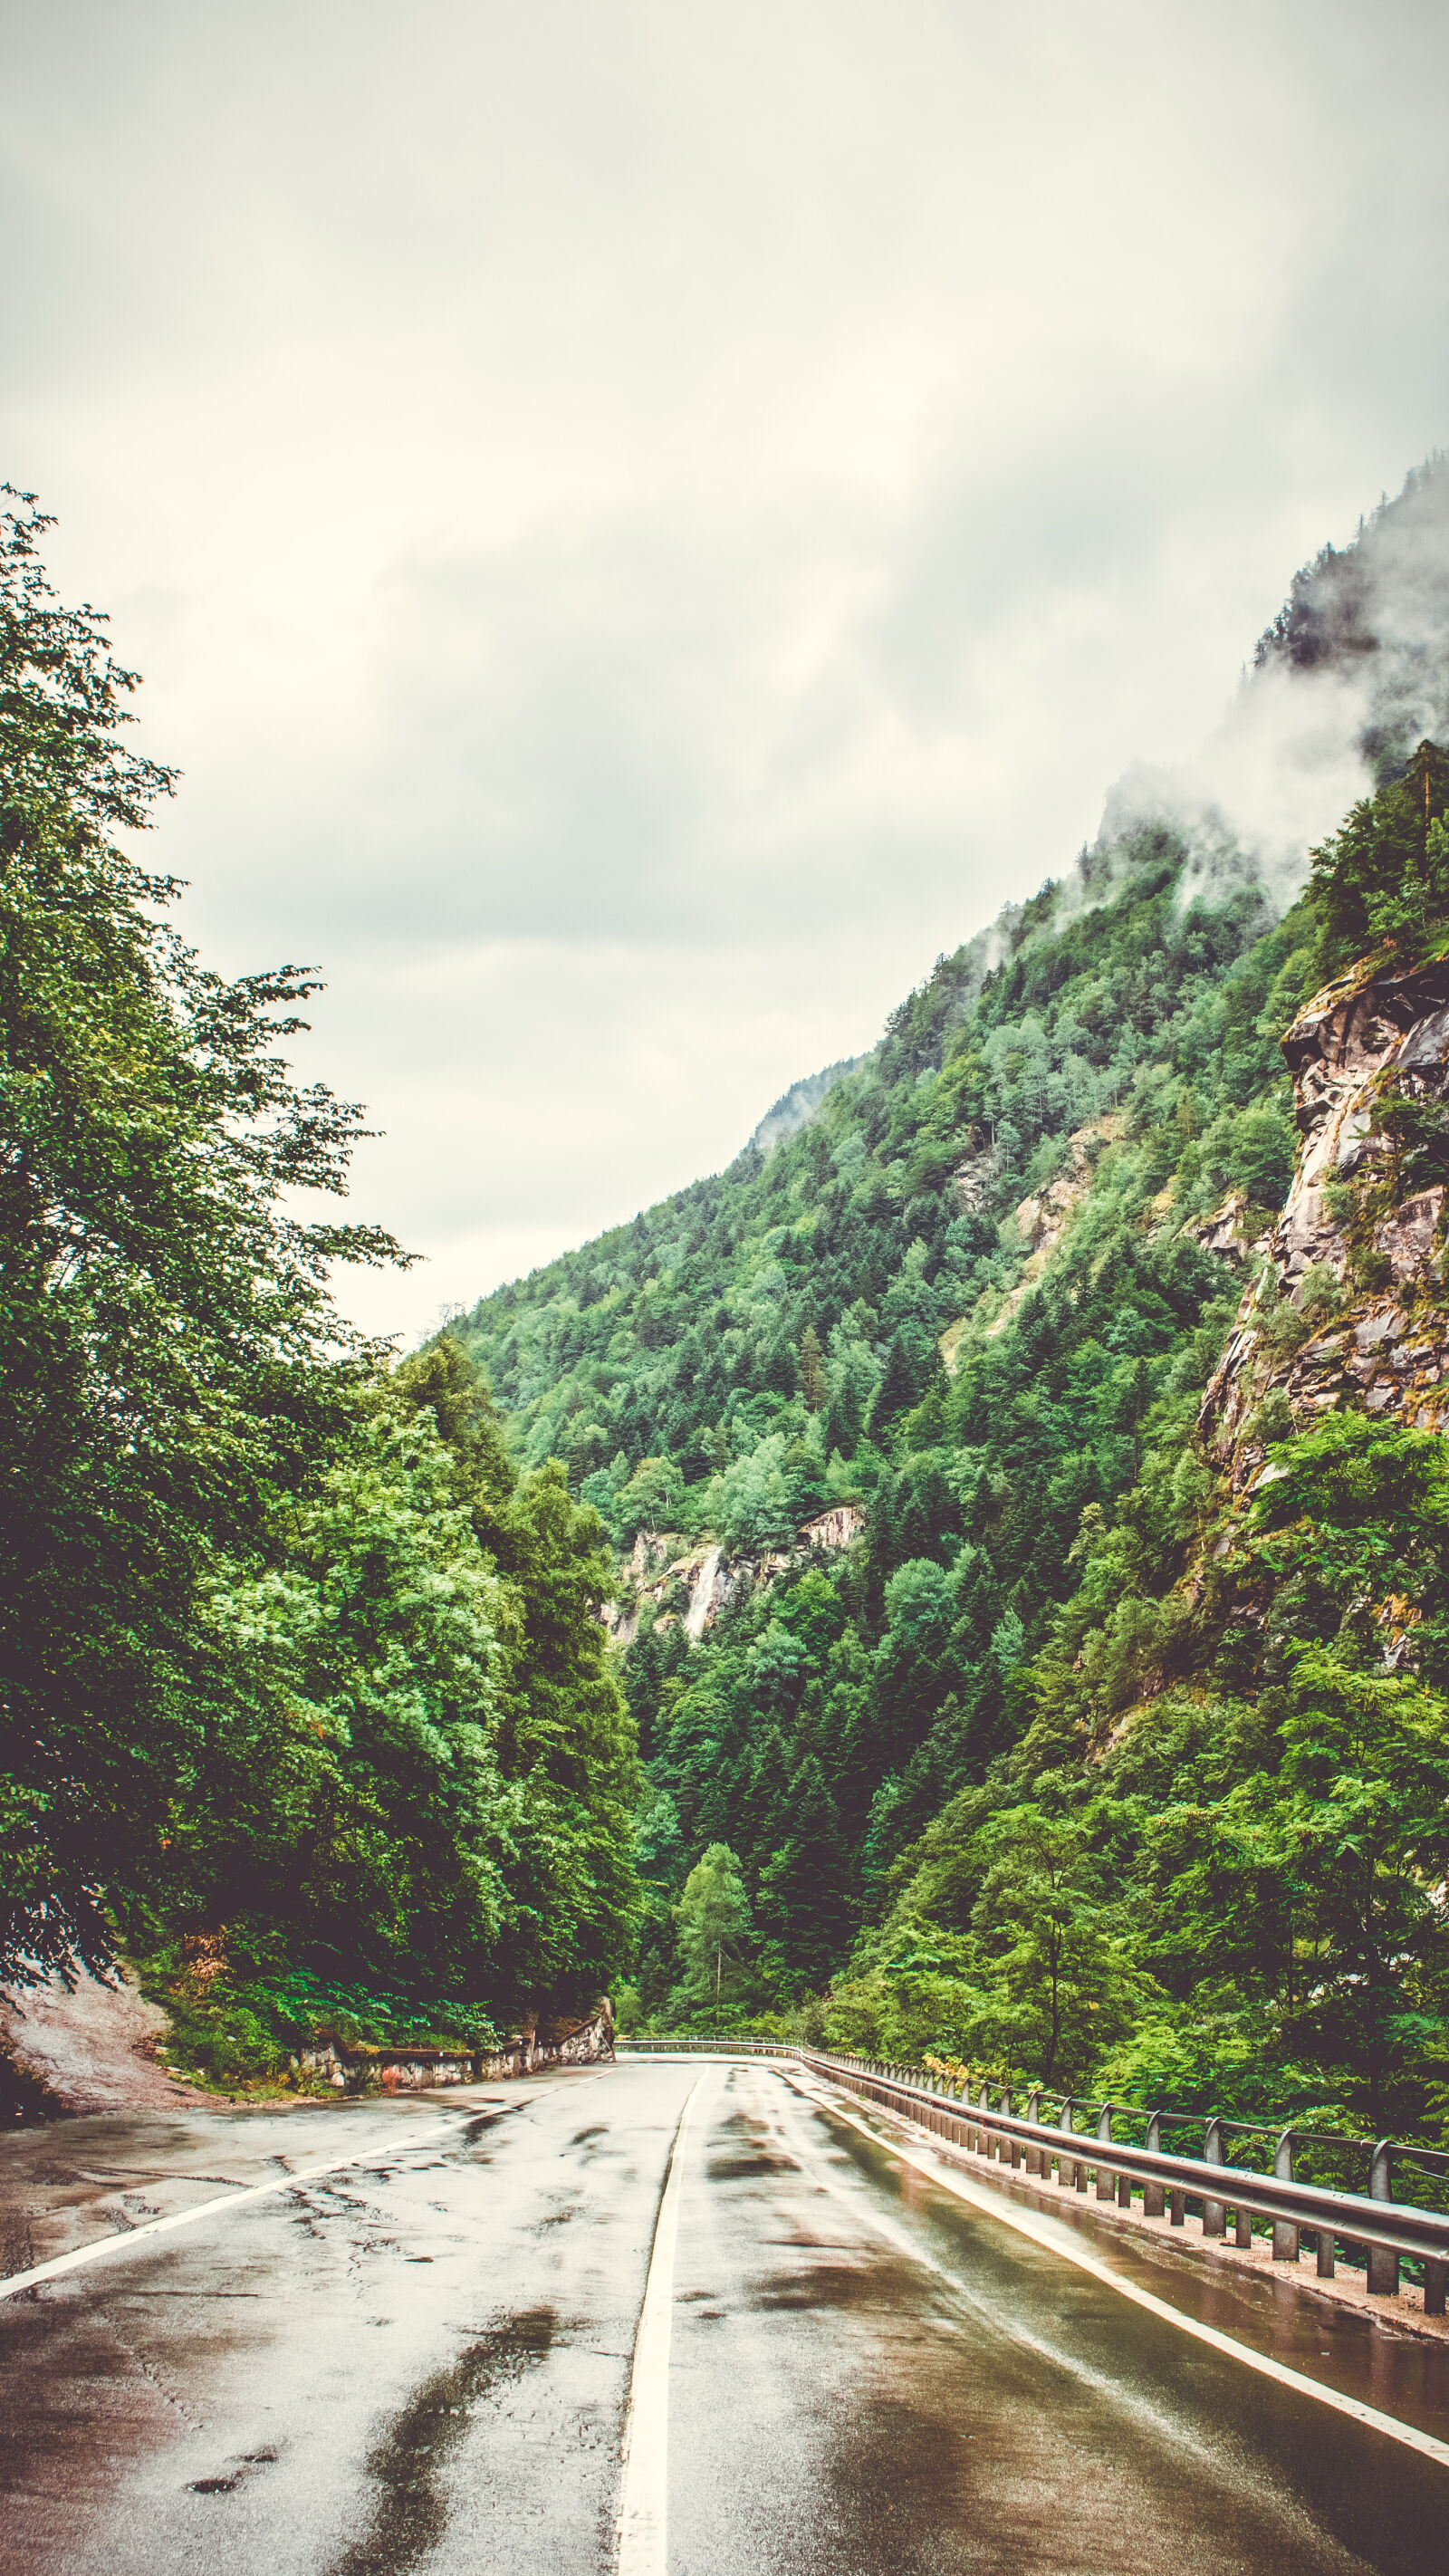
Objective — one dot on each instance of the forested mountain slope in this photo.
(1013, 1774)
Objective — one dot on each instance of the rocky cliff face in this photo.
(696, 1586)
(1351, 1301)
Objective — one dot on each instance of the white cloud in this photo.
(642, 525)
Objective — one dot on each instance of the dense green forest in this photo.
(305, 1703)
(993, 1780)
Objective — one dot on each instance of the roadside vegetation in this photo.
(301, 1675)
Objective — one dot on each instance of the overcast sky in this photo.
(645, 520)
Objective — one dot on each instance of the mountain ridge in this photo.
(977, 1300)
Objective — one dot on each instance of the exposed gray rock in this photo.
(94, 2046)
(1225, 1231)
(974, 1179)
(709, 1578)
(1368, 1030)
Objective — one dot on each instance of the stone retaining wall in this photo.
(362, 2069)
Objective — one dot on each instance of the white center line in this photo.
(1045, 2232)
(644, 2490)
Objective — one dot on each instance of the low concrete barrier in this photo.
(355, 2067)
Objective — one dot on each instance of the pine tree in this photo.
(814, 1385)
(1384, 875)
(807, 1895)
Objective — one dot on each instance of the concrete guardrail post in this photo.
(1079, 2170)
(1153, 2196)
(1124, 2191)
(1106, 2182)
(1033, 2113)
(1285, 2234)
(1383, 2267)
(1214, 2212)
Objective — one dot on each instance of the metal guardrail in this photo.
(692, 2046)
(1384, 2229)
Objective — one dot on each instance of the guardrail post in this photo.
(1066, 2167)
(1106, 2182)
(1214, 2212)
(1285, 2234)
(1011, 2147)
(1383, 2267)
(1124, 2191)
(1079, 2170)
(1436, 2275)
(1152, 2192)
(1033, 2113)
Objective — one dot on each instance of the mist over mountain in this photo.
(896, 1425)
(1351, 675)
(800, 1102)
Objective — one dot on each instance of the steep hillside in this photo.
(1214, 1861)
(957, 1330)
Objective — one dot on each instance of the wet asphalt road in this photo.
(423, 2361)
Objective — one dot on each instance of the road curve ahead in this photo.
(670, 2318)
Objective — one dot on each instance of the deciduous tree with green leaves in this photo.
(715, 1926)
(170, 1357)
(292, 1658)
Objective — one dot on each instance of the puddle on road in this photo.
(410, 2509)
(868, 2281)
(750, 2153)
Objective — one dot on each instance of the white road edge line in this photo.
(126, 2237)
(643, 2523)
(1042, 2233)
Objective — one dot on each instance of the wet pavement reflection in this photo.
(1280, 2313)
(421, 2361)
